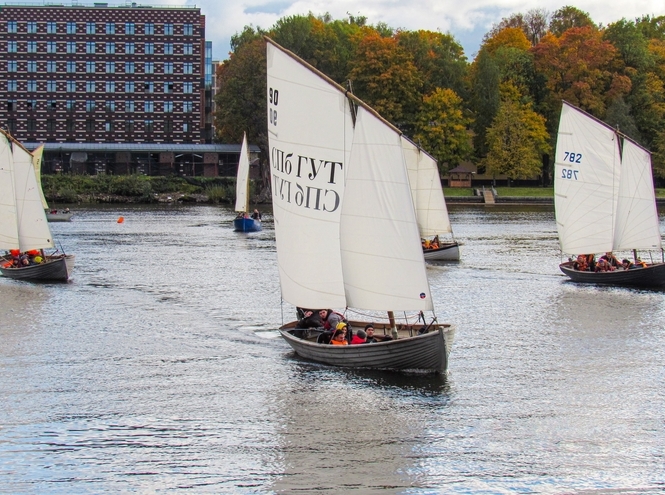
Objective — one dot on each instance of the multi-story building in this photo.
(105, 74)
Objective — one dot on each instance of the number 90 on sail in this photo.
(273, 99)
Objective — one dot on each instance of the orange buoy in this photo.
(121, 219)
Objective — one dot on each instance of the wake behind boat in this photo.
(345, 221)
(244, 222)
(604, 202)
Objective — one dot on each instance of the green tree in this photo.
(569, 17)
(442, 128)
(485, 100)
(517, 141)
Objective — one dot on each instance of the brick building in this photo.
(105, 74)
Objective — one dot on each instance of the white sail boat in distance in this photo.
(244, 222)
(345, 223)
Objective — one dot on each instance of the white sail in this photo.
(242, 179)
(382, 258)
(586, 182)
(8, 217)
(310, 130)
(33, 229)
(37, 156)
(637, 216)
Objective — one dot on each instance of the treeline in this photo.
(500, 110)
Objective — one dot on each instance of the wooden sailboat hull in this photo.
(54, 269)
(58, 217)
(650, 276)
(246, 225)
(428, 352)
(446, 252)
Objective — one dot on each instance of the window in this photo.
(149, 87)
(168, 67)
(11, 66)
(168, 107)
(148, 125)
(32, 27)
(187, 29)
(129, 106)
(51, 27)
(51, 47)
(32, 66)
(110, 28)
(51, 105)
(11, 126)
(187, 68)
(71, 126)
(110, 47)
(129, 126)
(108, 126)
(71, 66)
(90, 106)
(186, 127)
(71, 47)
(168, 48)
(71, 86)
(70, 105)
(32, 125)
(187, 106)
(32, 47)
(90, 125)
(149, 28)
(11, 47)
(90, 67)
(51, 66)
(129, 67)
(89, 47)
(90, 86)
(110, 86)
(50, 125)
(129, 48)
(168, 126)
(71, 28)
(31, 105)
(149, 67)
(11, 85)
(110, 106)
(168, 87)
(110, 67)
(149, 48)
(89, 28)
(187, 49)
(11, 26)
(148, 106)
(129, 87)
(129, 28)
(32, 86)
(187, 87)
(51, 86)
(168, 29)
(11, 105)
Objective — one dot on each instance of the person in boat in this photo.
(256, 215)
(627, 264)
(372, 338)
(359, 338)
(611, 259)
(66, 210)
(310, 319)
(435, 243)
(427, 244)
(580, 264)
(339, 337)
(330, 318)
(640, 264)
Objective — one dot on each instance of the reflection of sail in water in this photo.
(349, 430)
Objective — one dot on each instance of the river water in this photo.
(157, 369)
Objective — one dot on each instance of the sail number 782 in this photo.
(569, 173)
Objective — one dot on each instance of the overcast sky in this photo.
(466, 20)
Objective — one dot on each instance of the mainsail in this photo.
(8, 217)
(242, 178)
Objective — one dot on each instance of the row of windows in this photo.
(110, 106)
(110, 67)
(107, 47)
(109, 125)
(101, 28)
(92, 86)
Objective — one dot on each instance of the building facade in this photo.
(105, 74)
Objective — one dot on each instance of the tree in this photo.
(569, 17)
(533, 24)
(442, 128)
(485, 100)
(516, 141)
(618, 116)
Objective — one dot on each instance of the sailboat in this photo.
(23, 224)
(345, 223)
(52, 215)
(244, 222)
(430, 203)
(604, 199)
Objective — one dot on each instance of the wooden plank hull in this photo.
(651, 276)
(246, 225)
(428, 352)
(54, 269)
(446, 252)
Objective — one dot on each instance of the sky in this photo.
(466, 20)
